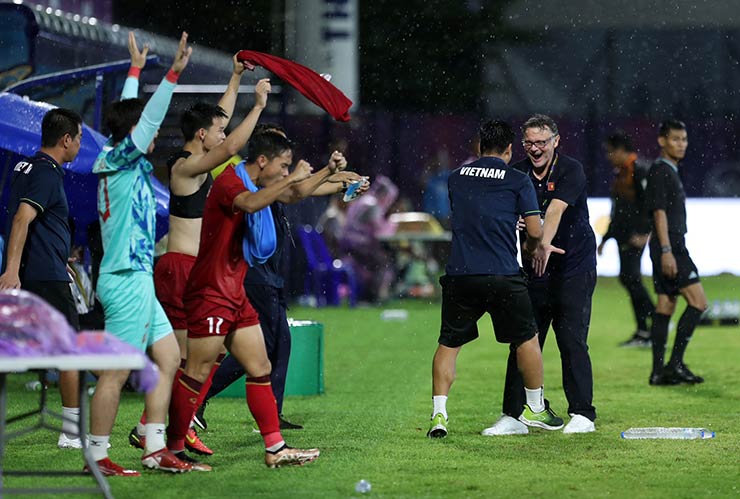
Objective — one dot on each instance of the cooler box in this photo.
(306, 366)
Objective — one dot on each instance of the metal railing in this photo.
(97, 71)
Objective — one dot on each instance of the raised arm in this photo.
(228, 100)
(138, 61)
(251, 202)
(156, 109)
(195, 165)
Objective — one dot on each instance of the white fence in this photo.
(712, 237)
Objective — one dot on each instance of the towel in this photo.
(308, 82)
(260, 239)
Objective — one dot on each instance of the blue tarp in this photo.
(20, 135)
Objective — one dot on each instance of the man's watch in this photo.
(665, 249)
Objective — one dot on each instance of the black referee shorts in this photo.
(58, 295)
(466, 298)
(687, 272)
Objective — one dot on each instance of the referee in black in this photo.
(487, 198)
(674, 272)
(39, 241)
(560, 286)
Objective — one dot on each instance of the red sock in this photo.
(261, 402)
(142, 419)
(209, 380)
(185, 394)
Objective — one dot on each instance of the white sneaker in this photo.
(506, 425)
(579, 424)
(65, 442)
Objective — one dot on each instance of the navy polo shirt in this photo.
(565, 181)
(39, 182)
(268, 273)
(487, 198)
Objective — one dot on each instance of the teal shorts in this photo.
(132, 312)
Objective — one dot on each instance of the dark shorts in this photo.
(58, 295)
(271, 307)
(466, 298)
(686, 276)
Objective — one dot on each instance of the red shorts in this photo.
(208, 318)
(170, 278)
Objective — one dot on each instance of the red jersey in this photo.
(220, 268)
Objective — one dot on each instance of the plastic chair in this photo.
(325, 274)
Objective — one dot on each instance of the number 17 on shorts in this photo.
(214, 325)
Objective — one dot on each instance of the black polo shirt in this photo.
(665, 192)
(39, 182)
(487, 197)
(565, 181)
(269, 273)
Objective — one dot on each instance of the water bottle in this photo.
(667, 433)
(34, 386)
(394, 315)
(363, 487)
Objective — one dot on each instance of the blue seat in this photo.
(324, 273)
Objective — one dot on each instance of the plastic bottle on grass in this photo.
(363, 487)
(34, 386)
(667, 433)
(394, 315)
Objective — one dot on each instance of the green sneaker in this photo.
(438, 426)
(546, 419)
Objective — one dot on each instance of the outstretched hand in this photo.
(138, 58)
(542, 256)
(182, 56)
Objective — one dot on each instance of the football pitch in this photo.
(371, 422)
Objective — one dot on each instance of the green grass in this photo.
(372, 420)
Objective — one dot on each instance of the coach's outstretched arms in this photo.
(252, 202)
(553, 215)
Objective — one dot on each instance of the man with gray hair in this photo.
(560, 285)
